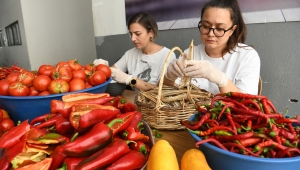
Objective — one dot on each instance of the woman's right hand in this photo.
(175, 68)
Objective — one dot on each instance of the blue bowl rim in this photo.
(240, 156)
(56, 95)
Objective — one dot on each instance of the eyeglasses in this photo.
(219, 32)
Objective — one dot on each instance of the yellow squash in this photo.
(162, 157)
(194, 159)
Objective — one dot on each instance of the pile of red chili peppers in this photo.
(83, 131)
(246, 124)
(5, 71)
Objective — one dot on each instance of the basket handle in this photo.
(158, 103)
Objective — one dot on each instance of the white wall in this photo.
(59, 31)
(109, 17)
(10, 11)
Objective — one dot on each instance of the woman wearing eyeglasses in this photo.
(223, 62)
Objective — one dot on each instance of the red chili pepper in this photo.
(240, 147)
(95, 139)
(268, 143)
(121, 122)
(250, 112)
(287, 151)
(58, 106)
(63, 126)
(228, 102)
(58, 157)
(230, 120)
(12, 137)
(199, 123)
(41, 118)
(12, 152)
(129, 107)
(132, 160)
(97, 115)
(132, 132)
(241, 95)
(70, 163)
(216, 142)
(246, 142)
(287, 134)
(79, 110)
(50, 122)
(106, 156)
(140, 147)
(251, 102)
(274, 133)
(237, 137)
(115, 102)
(211, 130)
(287, 120)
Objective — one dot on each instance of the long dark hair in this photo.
(146, 20)
(240, 33)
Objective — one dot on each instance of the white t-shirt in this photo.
(242, 67)
(145, 67)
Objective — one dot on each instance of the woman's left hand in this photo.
(204, 69)
(119, 76)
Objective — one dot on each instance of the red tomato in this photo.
(90, 67)
(5, 114)
(62, 73)
(41, 82)
(104, 68)
(26, 78)
(33, 91)
(79, 74)
(74, 64)
(87, 85)
(12, 77)
(65, 64)
(6, 124)
(77, 84)
(88, 73)
(4, 84)
(45, 70)
(18, 89)
(58, 86)
(98, 77)
(44, 93)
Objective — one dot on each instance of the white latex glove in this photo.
(100, 61)
(175, 69)
(204, 69)
(119, 76)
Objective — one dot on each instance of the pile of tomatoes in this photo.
(65, 76)
(5, 122)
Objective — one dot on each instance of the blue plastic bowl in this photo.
(219, 159)
(29, 107)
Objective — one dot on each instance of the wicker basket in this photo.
(164, 106)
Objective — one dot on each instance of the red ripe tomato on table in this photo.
(41, 82)
(12, 77)
(97, 77)
(6, 124)
(44, 93)
(58, 86)
(74, 64)
(63, 63)
(79, 74)
(33, 91)
(26, 78)
(4, 84)
(62, 73)
(76, 84)
(18, 89)
(104, 68)
(45, 70)
(89, 67)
